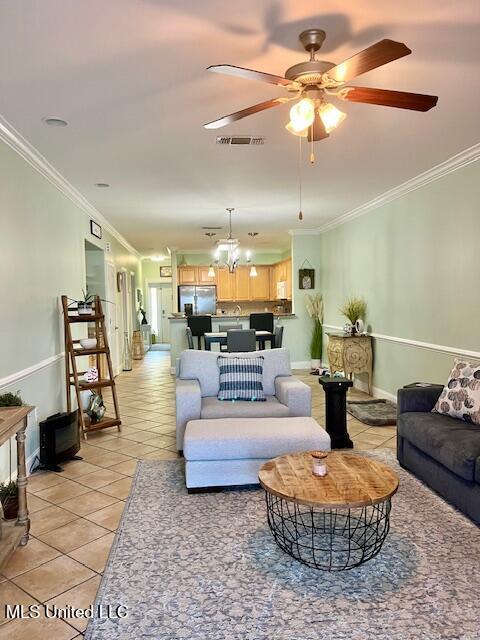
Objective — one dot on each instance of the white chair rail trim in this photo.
(429, 346)
(25, 373)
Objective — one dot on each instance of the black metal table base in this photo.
(328, 539)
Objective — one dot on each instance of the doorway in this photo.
(94, 269)
(111, 316)
(160, 302)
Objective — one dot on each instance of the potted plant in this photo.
(314, 304)
(9, 500)
(11, 399)
(8, 490)
(85, 306)
(354, 310)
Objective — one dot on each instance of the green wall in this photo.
(416, 262)
(42, 255)
(297, 331)
(151, 270)
(258, 257)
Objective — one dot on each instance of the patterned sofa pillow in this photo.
(241, 379)
(460, 397)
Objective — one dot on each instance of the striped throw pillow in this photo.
(241, 379)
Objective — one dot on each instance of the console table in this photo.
(350, 354)
(13, 422)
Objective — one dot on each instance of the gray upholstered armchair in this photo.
(198, 384)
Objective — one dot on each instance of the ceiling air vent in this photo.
(231, 140)
(211, 228)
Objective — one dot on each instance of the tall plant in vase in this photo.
(314, 304)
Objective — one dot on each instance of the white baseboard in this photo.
(301, 364)
(376, 392)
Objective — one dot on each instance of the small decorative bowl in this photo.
(88, 343)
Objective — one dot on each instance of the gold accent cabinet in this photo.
(350, 354)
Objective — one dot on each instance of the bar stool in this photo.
(199, 325)
(261, 322)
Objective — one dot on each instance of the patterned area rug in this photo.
(200, 567)
(378, 412)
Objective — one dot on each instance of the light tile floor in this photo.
(74, 514)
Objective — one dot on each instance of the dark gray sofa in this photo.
(442, 451)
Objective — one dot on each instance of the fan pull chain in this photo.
(312, 152)
(300, 213)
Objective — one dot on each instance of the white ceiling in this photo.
(129, 77)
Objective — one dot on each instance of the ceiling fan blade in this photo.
(370, 58)
(317, 130)
(387, 98)
(243, 113)
(249, 74)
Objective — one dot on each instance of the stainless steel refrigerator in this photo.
(202, 298)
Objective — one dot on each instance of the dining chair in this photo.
(261, 321)
(241, 340)
(227, 327)
(188, 331)
(200, 325)
(278, 336)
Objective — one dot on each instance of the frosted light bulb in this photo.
(331, 116)
(302, 114)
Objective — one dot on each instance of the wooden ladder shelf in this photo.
(71, 316)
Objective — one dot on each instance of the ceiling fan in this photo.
(312, 116)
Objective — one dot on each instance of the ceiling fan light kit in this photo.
(311, 116)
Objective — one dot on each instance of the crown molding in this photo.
(304, 232)
(458, 161)
(35, 159)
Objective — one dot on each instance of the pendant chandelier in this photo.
(229, 245)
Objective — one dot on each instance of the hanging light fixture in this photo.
(253, 268)
(230, 245)
(211, 270)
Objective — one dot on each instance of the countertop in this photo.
(227, 318)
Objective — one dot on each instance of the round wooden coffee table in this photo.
(334, 522)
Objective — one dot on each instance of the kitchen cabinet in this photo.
(239, 286)
(260, 286)
(288, 279)
(242, 284)
(203, 277)
(187, 275)
(281, 272)
(225, 285)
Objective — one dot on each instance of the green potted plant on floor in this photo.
(9, 500)
(354, 310)
(314, 304)
(8, 490)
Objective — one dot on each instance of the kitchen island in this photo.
(178, 336)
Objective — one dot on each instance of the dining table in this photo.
(221, 337)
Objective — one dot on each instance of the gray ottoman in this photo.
(226, 452)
